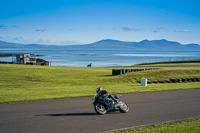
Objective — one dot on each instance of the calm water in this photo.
(100, 58)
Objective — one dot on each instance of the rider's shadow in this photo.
(68, 114)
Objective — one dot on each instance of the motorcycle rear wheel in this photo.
(124, 107)
(100, 109)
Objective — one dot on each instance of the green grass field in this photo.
(172, 64)
(185, 126)
(26, 82)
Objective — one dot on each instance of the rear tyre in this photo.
(124, 107)
(100, 109)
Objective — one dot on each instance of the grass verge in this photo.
(173, 64)
(185, 126)
(26, 83)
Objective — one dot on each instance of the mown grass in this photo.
(161, 74)
(172, 64)
(185, 126)
(24, 83)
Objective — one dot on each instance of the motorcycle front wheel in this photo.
(124, 107)
(100, 109)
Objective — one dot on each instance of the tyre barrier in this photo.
(173, 80)
(184, 80)
(181, 80)
(123, 71)
(5, 62)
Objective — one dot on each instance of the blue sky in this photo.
(66, 22)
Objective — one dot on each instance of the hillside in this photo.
(109, 44)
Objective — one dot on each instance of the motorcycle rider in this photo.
(105, 95)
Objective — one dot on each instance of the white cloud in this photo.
(16, 26)
(24, 40)
(181, 30)
(130, 29)
(3, 26)
(158, 29)
(40, 30)
(114, 28)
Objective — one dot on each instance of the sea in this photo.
(105, 58)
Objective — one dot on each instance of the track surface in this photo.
(77, 114)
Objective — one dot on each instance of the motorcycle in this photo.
(103, 105)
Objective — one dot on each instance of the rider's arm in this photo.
(111, 96)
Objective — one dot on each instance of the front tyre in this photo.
(123, 107)
(100, 109)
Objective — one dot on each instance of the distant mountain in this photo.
(9, 45)
(167, 45)
(163, 44)
(108, 44)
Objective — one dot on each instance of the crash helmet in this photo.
(98, 89)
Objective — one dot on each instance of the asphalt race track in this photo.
(76, 115)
